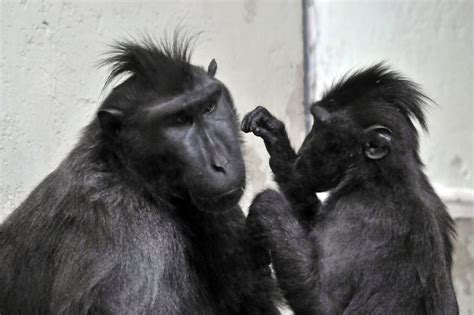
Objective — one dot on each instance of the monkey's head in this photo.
(174, 124)
(362, 129)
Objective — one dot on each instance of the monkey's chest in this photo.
(342, 256)
(346, 248)
(223, 269)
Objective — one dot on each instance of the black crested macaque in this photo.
(381, 243)
(142, 217)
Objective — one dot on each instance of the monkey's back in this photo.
(389, 249)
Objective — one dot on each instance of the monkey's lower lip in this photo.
(227, 193)
(232, 194)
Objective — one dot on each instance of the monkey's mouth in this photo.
(219, 202)
(229, 192)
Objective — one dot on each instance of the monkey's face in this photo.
(336, 145)
(191, 140)
(195, 140)
(198, 134)
(326, 152)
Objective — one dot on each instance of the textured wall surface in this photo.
(463, 271)
(431, 43)
(51, 87)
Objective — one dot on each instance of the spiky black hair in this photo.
(163, 64)
(380, 95)
(380, 84)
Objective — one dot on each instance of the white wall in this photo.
(428, 41)
(51, 88)
(431, 43)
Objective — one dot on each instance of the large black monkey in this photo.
(142, 216)
(381, 242)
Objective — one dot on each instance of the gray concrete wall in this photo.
(51, 87)
(431, 43)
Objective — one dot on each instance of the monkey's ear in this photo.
(377, 142)
(212, 68)
(110, 121)
(320, 113)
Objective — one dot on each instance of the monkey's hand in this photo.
(264, 125)
(266, 215)
(291, 250)
(273, 132)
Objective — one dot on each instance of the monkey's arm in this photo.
(263, 124)
(96, 278)
(294, 259)
(263, 297)
(265, 293)
(101, 268)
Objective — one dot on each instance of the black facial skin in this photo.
(142, 217)
(381, 242)
(193, 135)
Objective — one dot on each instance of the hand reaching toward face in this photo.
(264, 125)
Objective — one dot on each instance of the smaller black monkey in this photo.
(382, 241)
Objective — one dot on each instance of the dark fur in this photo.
(111, 231)
(382, 241)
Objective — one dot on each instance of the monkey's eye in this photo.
(181, 119)
(210, 107)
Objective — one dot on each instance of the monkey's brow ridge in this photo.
(186, 100)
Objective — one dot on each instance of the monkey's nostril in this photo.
(218, 168)
(219, 164)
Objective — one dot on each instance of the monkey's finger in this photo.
(244, 125)
(266, 120)
(253, 120)
(248, 118)
(264, 114)
(263, 110)
(263, 133)
(259, 120)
